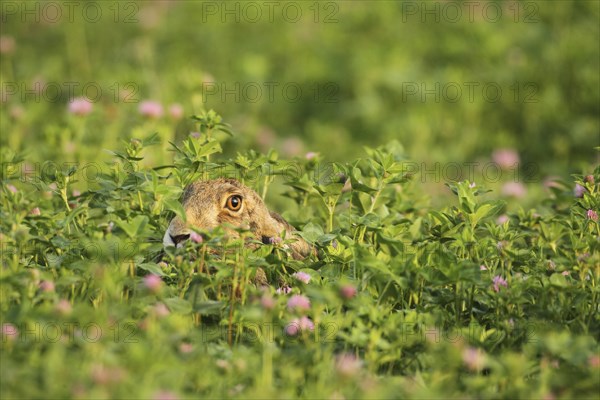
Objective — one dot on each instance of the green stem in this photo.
(363, 229)
(457, 302)
(63, 195)
(232, 302)
(265, 187)
(140, 200)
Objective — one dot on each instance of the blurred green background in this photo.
(453, 82)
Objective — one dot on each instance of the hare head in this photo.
(208, 204)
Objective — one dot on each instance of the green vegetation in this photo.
(402, 298)
(475, 278)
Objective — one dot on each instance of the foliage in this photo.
(405, 300)
(402, 70)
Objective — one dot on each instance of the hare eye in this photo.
(234, 203)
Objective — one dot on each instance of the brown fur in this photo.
(204, 205)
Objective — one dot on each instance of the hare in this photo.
(208, 204)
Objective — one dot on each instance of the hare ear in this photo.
(278, 224)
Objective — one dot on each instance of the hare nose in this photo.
(179, 238)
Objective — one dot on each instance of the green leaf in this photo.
(324, 239)
(176, 207)
(558, 280)
(152, 268)
(357, 185)
(135, 227)
(466, 197)
(208, 307)
(209, 148)
(370, 220)
(311, 232)
(151, 140)
(485, 210)
(178, 306)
